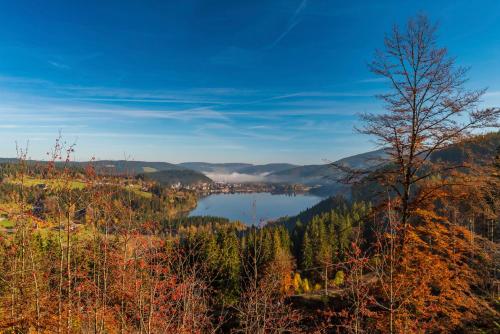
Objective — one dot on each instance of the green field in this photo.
(31, 182)
(138, 191)
(6, 223)
(72, 184)
(149, 169)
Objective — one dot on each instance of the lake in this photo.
(240, 206)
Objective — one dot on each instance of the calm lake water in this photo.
(240, 206)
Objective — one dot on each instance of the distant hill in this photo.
(113, 166)
(305, 216)
(132, 167)
(206, 167)
(237, 172)
(326, 173)
(364, 160)
(163, 172)
(302, 172)
(266, 169)
(170, 177)
(322, 177)
(479, 150)
(241, 168)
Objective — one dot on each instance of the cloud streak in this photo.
(59, 65)
(292, 22)
(191, 121)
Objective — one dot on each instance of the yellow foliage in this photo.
(339, 278)
(297, 283)
(305, 285)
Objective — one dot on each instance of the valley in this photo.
(249, 167)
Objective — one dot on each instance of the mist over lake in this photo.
(241, 206)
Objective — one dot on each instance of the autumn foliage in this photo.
(415, 250)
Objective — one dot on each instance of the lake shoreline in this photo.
(253, 208)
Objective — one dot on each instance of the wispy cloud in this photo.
(491, 99)
(217, 118)
(260, 127)
(196, 95)
(9, 126)
(59, 65)
(373, 80)
(292, 22)
(38, 126)
(215, 126)
(265, 137)
(60, 108)
(22, 80)
(186, 115)
(241, 132)
(492, 93)
(148, 100)
(311, 94)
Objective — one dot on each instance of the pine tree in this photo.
(307, 252)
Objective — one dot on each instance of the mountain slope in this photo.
(132, 167)
(163, 172)
(305, 216)
(266, 169)
(326, 173)
(206, 167)
(112, 166)
(479, 150)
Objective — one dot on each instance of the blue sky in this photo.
(217, 81)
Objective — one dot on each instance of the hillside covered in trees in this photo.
(172, 177)
(133, 268)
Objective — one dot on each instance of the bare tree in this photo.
(427, 108)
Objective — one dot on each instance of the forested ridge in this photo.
(131, 264)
